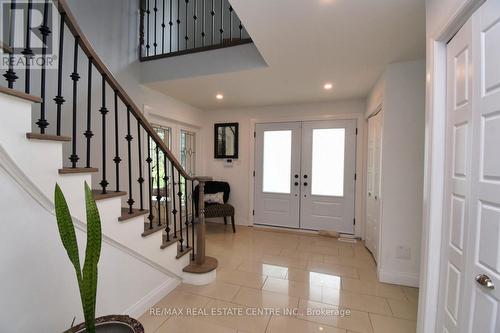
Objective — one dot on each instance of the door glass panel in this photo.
(277, 161)
(328, 150)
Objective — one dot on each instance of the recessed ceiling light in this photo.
(219, 96)
(328, 86)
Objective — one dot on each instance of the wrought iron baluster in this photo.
(45, 31)
(240, 26)
(221, 30)
(129, 138)
(59, 99)
(181, 240)
(203, 27)
(167, 213)
(174, 210)
(155, 9)
(231, 23)
(213, 22)
(148, 12)
(187, 211)
(195, 21)
(117, 158)
(104, 183)
(10, 75)
(178, 25)
(142, 11)
(158, 193)
(140, 180)
(88, 133)
(170, 24)
(28, 52)
(163, 29)
(150, 185)
(193, 214)
(74, 77)
(186, 37)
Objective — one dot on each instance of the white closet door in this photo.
(372, 234)
(457, 181)
(483, 256)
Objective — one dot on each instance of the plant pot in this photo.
(112, 324)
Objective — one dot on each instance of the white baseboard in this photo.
(403, 279)
(136, 310)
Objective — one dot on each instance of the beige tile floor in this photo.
(325, 285)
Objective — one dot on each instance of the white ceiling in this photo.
(307, 43)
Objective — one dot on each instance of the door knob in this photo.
(296, 184)
(369, 194)
(305, 183)
(485, 281)
(296, 176)
(305, 176)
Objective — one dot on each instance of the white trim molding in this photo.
(411, 280)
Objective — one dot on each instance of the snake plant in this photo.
(87, 278)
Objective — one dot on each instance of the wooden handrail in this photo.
(85, 45)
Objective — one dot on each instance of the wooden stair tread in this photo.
(135, 213)
(151, 231)
(110, 194)
(5, 48)
(47, 137)
(20, 94)
(210, 264)
(183, 253)
(67, 171)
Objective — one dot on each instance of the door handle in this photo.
(485, 281)
(369, 194)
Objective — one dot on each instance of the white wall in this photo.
(239, 175)
(402, 92)
(39, 289)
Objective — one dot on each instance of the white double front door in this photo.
(469, 299)
(305, 175)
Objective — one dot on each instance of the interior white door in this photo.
(277, 172)
(328, 175)
(470, 267)
(372, 226)
(457, 180)
(482, 283)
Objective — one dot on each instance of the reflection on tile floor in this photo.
(270, 281)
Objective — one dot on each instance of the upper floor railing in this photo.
(90, 110)
(174, 27)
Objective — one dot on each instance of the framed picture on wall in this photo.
(226, 140)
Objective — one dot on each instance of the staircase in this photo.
(143, 193)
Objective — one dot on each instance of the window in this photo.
(328, 149)
(188, 159)
(165, 133)
(188, 151)
(277, 161)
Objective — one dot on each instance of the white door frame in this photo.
(360, 159)
(434, 169)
